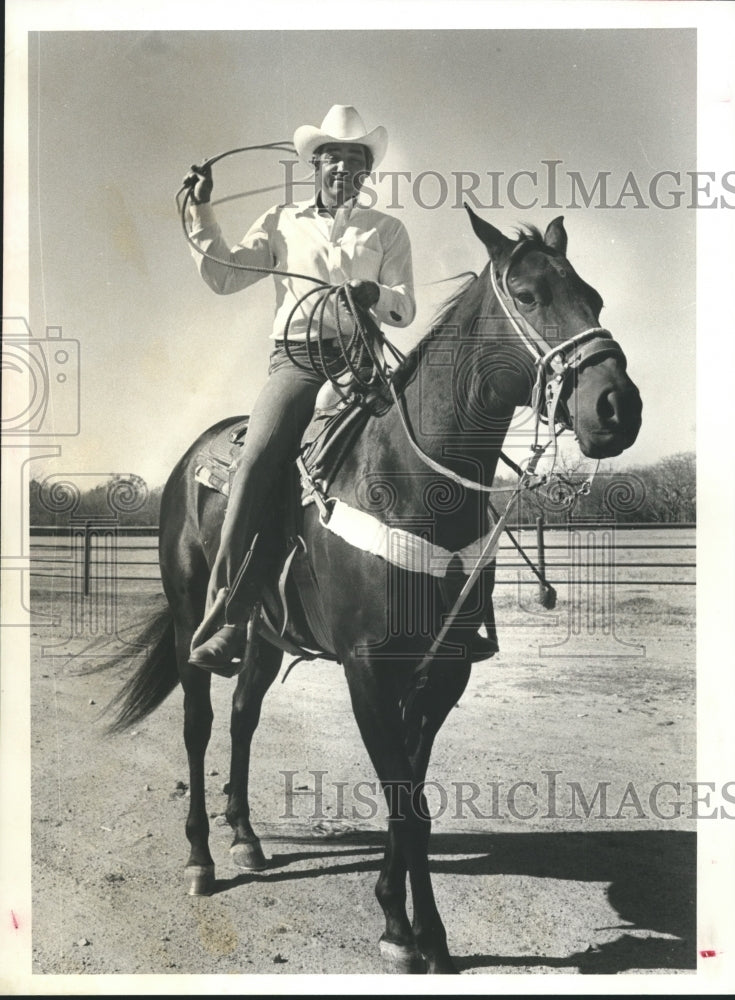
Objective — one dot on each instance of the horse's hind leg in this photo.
(197, 730)
(259, 671)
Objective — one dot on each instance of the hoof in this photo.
(444, 968)
(249, 856)
(401, 959)
(200, 879)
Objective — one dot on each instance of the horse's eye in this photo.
(526, 298)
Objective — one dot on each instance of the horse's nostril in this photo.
(609, 408)
(620, 408)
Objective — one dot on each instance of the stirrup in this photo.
(213, 619)
(223, 653)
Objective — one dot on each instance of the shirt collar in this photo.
(316, 206)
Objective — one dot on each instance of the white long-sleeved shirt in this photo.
(359, 242)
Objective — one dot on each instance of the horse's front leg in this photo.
(397, 943)
(375, 703)
(259, 671)
(422, 719)
(429, 709)
(197, 730)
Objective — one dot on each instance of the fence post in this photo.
(541, 556)
(87, 555)
(591, 626)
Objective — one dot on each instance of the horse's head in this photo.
(552, 308)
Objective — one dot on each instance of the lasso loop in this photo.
(354, 344)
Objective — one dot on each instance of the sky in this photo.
(115, 118)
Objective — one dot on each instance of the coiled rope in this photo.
(361, 346)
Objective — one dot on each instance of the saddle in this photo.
(292, 617)
(326, 441)
(216, 466)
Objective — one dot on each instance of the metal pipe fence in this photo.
(99, 551)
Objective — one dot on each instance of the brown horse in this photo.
(527, 320)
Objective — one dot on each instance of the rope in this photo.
(353, 345)
(421, 671)
(519, 548)
(181, 208)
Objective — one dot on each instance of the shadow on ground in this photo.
(651, 878)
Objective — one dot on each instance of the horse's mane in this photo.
(449, 305)
(464, 294)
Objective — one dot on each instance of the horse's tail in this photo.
(153, 681)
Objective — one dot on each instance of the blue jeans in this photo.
(278, 420)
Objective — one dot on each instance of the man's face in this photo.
(340, 169)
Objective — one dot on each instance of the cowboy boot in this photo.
(223, 651)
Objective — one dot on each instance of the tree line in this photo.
(126, 500)
(663, 492)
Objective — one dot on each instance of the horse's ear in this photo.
(556, 235)
(497, 245)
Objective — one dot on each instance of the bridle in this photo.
(554, 364)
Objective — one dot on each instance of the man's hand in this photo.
(364, 293)
(199, 181)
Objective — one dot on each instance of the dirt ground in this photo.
(520, 892)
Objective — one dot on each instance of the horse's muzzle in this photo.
(615, 424)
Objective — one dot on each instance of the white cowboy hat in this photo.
(342, 123)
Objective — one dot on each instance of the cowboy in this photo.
(332, 237)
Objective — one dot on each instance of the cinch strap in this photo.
(402, 548)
